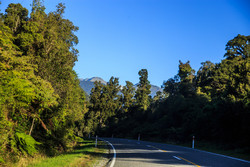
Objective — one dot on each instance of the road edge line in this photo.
(225, 156)
(222, 155)
(114, 157)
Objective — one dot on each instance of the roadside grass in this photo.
(85, 154)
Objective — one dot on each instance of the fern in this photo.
(26, 143)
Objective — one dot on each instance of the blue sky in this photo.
(120, 37)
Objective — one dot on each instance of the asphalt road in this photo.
(131, 153)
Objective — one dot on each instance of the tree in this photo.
(24, 96)
(231, 77)
(105, 101)
(239, 46)
(128, 92)
(170, 87)
(40, 92)
(204, 76)
(143, 90)
(110, 93)
(15, 16)
(186, 75)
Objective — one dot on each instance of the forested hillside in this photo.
(211, 104)
(41, 103)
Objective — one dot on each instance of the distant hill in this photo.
(155, 89)
(88, 83)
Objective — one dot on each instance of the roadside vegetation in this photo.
(83, 154)
(42, 106)
(43, 110)
(211, 104)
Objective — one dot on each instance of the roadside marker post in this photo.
(139, 137)
(193, 143)
(112, 136)
(96, 141)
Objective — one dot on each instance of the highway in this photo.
(131, 153)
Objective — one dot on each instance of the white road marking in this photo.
(148, 146)
(114, 157)
(176, 157)
(225, 156)
(242, 160)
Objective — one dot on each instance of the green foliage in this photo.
(39, 90)
(186, 75)
(26, 143)
(238, 47)
(105, 103)
(15, 15)
(212, 105)
(128, 96)
(143, 90)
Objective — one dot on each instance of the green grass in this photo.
(85, 154)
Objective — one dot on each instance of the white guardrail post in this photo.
(96, 141)
(193, 143)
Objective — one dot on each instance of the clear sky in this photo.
(120, 37)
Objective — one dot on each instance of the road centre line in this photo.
(177, 157)
(157, 148)
(188, 161)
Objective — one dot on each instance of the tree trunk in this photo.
(32, 126)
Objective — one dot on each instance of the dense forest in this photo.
(212, 104)
(43, 109)
(41, 103)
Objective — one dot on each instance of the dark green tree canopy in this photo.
(40, 94)
(15, 16)
(143, 90)
(239, 46)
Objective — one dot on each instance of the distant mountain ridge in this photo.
(88, 83)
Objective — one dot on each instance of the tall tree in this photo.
(128, 92)
(170, 86)
(24, 96)
(204, 76)
(231, 78)
(37, 58)
(105, 102)
(110, 93)
(239, 46)
(186, 74)
(15, 16)
(143, 90)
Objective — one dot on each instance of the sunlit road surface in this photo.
(131, 153)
